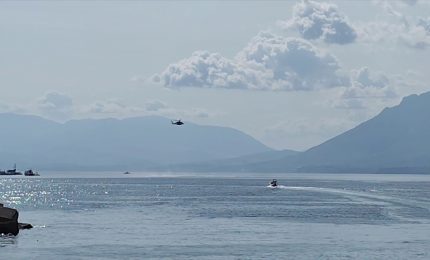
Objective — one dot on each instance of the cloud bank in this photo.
(365, 85)
(293, 64)
(271, 62)
(319, 20)
(412, 32)
(56, 105)
(268, 62)
(205, 69)
(413, 35)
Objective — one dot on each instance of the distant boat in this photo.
(126, 172)
(273, 183)
(31, 173)
(11, 172)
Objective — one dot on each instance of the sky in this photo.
(292, 74)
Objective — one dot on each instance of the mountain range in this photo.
(395, 141)
(114, 144)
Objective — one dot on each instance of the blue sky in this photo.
(290, 73)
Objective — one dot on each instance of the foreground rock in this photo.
(9, 221)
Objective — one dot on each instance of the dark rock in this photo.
(8, 221)
(24, 226)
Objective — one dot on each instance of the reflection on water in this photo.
(7, 240)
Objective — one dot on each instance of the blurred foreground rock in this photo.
(9, 221)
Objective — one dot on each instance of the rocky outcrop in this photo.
(9, 221)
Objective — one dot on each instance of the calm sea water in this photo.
(140, 216)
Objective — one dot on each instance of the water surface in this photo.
(218, 216)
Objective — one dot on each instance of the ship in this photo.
(31, 173)
(11, 172)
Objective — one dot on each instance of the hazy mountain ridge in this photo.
(395, 141)
(106, 144)
(399, 137)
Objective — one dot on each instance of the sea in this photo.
(110, 215)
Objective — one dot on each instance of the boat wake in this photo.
(367, 195)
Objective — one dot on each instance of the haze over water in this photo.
(196, 216)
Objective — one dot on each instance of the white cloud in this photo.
(155, 105)
(415, 36)
(363, 78)
(366, 88)
(9, 108)
(319, 20)
(110, 107)
(56, 105)
(204, 69)
(55, 100)
(424, 23)
(397, 3)
(177, 113)
(268, 62)
(411, 32)
(293, 64)
(117, 109)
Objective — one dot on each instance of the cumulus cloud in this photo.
(416, 36)
(56, 105)
(413, 35)
(204, 69)
(369, 85)
(366, 86)
(424, 23)
(115, 108)
(105, 107)
(364, 79)
(110, 107)
(178, 112)
(408, 31)
(268, 62)
(8, 108)
(55, 100)
(293, 64)
(319, 20)
(155, 105)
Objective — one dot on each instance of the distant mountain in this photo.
(113, 144)
(395, 141)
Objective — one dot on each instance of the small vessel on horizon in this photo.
(30, 172)
(11, 172)
(273, 183)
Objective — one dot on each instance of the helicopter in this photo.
(177, 122)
